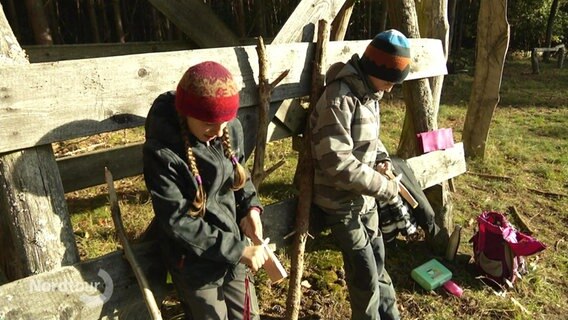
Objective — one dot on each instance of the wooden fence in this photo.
(43, 103)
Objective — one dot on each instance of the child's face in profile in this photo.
(381, 85)
(205, 131)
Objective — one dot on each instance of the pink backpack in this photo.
(499, 249)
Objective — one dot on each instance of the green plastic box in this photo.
(431, 274)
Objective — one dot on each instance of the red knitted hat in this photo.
(208, 93)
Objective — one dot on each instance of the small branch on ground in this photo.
(489, 176)
(521, 220)
(548, 193)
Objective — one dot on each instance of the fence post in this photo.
(35, 227)
(534, 61)
(561, 55)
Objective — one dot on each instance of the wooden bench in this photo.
(51, 102)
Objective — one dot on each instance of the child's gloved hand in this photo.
(383, 166)
(391, 190)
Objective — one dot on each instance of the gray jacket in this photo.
(345, 143)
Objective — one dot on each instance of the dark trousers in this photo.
(371, 291)
(218, 303)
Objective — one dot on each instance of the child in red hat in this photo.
(203, 199)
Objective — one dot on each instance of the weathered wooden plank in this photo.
(47, 102)
(301, 25)
(102, 288)
(437, 166)
(37, 53)
(78, 172)
(192, 17)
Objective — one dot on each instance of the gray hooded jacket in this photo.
(345, 143)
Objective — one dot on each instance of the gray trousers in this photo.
(218, 303)
(371, 291)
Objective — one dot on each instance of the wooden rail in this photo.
(44, 103)
(559, 50)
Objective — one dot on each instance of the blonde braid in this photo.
(240, 173)
(198, 205)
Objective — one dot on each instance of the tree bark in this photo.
(117, 18)
(35, 228)
(260, 18)
(549, 24)
(240, 15)
(419, 115)
(39, 22)
(491, 49)
(436, 26)
(93, 21)
(305, 172)
(383, 15)
(13, 17)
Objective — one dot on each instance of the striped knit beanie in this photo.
(208, 93)
(387, 57)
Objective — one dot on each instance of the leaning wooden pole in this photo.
(129, 254)
(305, 173)
(265, 93)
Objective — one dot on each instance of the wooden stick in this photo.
(116, 218)
(264, 92)
(490, 176)
(305, 176)
(403, 191)
(548, 193)
(520, 219)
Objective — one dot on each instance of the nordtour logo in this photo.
(91, 293)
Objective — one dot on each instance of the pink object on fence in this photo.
(435, 140)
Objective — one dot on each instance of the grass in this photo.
(526, 167)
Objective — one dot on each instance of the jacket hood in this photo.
(352, 74)
(162, 123)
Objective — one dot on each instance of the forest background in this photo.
(534, 23)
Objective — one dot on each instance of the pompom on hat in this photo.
(208, 93)
(387, 57)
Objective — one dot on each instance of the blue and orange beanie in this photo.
(208, 93)
(387, 57)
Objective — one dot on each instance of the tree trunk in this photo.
(452, 22)
(105, 21)
(260, 18)
(118, 21)
(39, 22)
(421, 116)
(417, 94)
(436, 26)
(93, 21)
(549, 24)
(240, 16)
(35, 228)
(383, 15)
(13, 18)
(491, 49)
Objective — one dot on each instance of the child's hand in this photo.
(383, 166)
(254, 257)
(251, 225)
